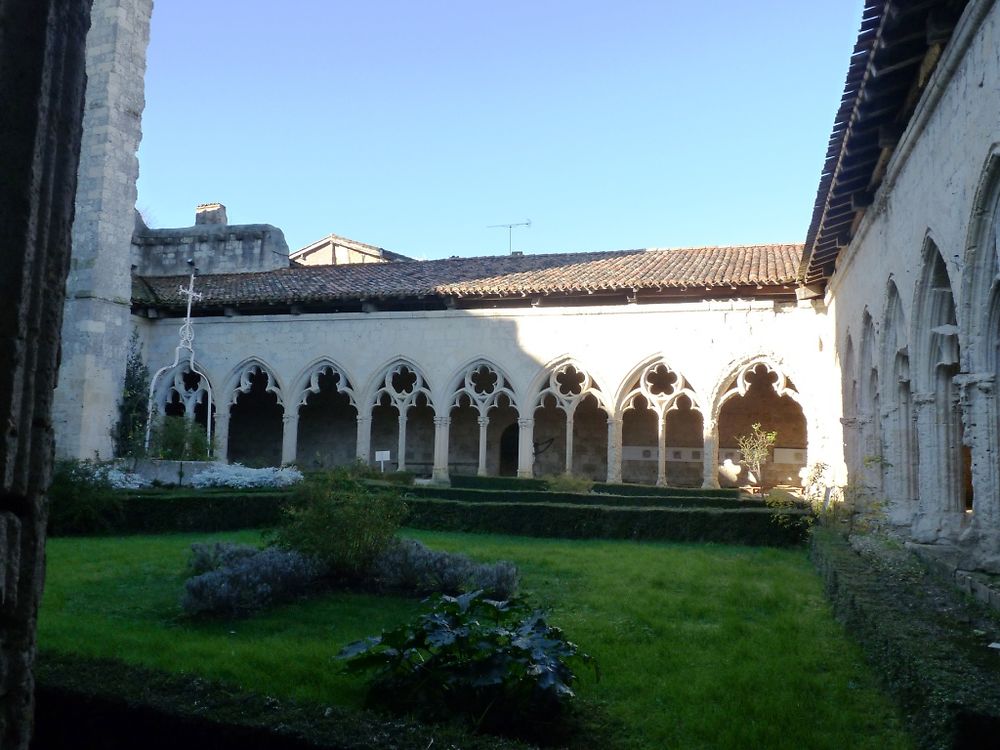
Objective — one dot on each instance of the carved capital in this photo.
(616, 421)
(483, 421)
(443, 421)
(364, 419)
(922, 399)
(525, 423)
(290, 416)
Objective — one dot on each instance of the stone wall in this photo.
(214, 248)
(96, 325)
(913, 300)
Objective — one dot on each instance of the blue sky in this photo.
(415, 125)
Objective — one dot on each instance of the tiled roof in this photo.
(501, 276)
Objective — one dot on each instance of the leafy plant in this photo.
(407, 565)
(177, 438)
(82, 498)
(248, 583)
(340, 521)
(568, 483)
(130, 431)
(755, 449)
(496, 664)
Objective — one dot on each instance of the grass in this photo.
(700, 646)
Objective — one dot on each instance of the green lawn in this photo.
(700, 646)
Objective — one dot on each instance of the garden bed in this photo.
(930, 643)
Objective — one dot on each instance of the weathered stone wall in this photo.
(938, 198)
(98, 292)
(41, 89)
(214, 248)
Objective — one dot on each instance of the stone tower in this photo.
(96, 324)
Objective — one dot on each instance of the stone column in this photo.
(364, 438)
(661, 450)
(526, 448)
(289, 436)
(484, 423)
(614, 450)
(222, 435)
(442, 428)
(710, 454)
(42, 89)
(569, 442)
(97, 324)
(980, 432)
(927, 520)
(401, 458)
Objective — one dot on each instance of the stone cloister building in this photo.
(872, 349)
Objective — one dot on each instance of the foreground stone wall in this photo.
(915, 309)
(99, 289)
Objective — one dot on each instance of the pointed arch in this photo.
(979, 296)
(659, 384)
(484, 383)
(307, 382)
(758, 389)
(569, 383)
(899, 439)
(241, 379)
(325, 412)
(482, 408)
(401, 384)
(945, 492)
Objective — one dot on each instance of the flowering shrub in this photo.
(497, 664)
(248, 583)
(242, 477)
(211, 556)
(408, 565)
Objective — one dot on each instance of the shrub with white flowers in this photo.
(242, 477)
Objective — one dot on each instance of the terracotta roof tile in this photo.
(499, 276)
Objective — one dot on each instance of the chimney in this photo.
(210, 213)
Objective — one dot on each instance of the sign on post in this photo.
(382, 457)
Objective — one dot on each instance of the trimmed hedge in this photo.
(194, 510)
(469, 495)
(497, 483)
(518, 485)
(752, 526)
(603, 488)
(927, 641)
(115, 706)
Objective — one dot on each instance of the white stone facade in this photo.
(710, 345)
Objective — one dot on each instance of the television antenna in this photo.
(510, 231)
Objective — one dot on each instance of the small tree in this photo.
(755, 449)
(129, 433)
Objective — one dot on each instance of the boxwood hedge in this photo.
(753, 526)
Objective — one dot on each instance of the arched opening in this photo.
(550, 437)
(420, 437)
(463, 438)
(684, 444)
(328, 423)
(590, 440)
(482, 408)
(762, 398)
(255, 422)
(385, 434)
(639, 442)
(946, 486)
(503, 426)
(509, 445)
